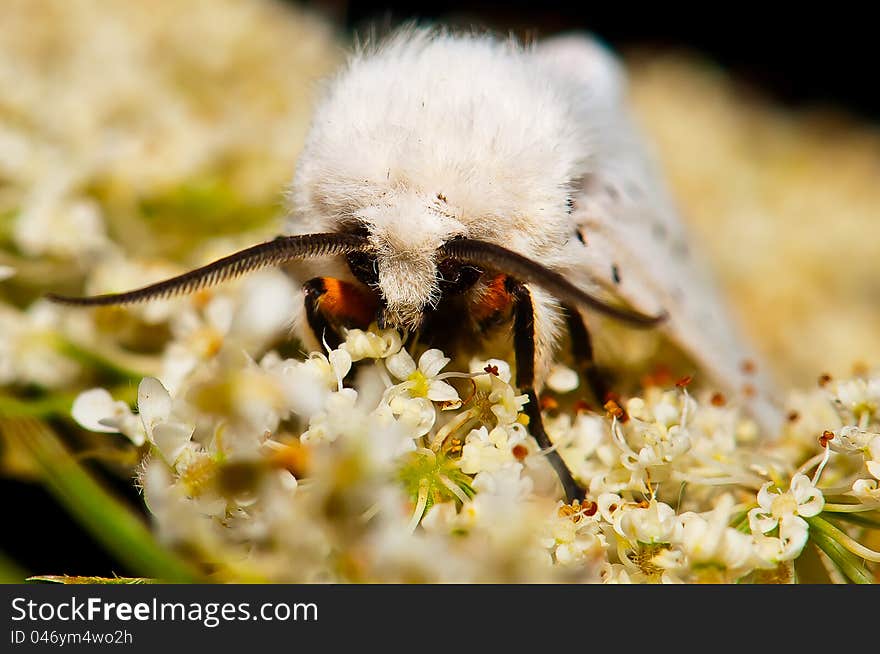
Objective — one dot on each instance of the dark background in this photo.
(804, 57)
(822, 54)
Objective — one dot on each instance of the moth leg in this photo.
(524, 349)
(331, 304)
(582, 352)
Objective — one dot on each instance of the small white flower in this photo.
(656, 523)
(867, 490)
(708, 540)
(371, 344)
(486, 370)
(787, 510)
(416, 414)
(424, 380)
(485, 451)
(96, 410)
(858, 396)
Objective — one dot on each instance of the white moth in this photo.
(462, 182)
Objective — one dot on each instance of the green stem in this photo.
(849, 565)
(107, 519)
(10, 573)
(828, 529)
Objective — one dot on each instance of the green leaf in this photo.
(107, 519)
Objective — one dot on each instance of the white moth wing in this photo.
(630, 239)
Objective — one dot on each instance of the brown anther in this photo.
(615, 410)
(717, 399)
(684, 381)
(492, 370)
(748, 367)
(548, 403)
(612, 508)
(749, 390)
(441, 197)
(644, 504)
(825, 438)
(824, 379)
(793, 416)
(520, 452)
(589, 508)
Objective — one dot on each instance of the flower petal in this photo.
(760, 522)
(793, 534)
(439, 391)
(401, 365)
(92, 406)
(171, 438)
(432, 362)
(154, 403)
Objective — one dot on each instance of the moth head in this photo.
(405, 237)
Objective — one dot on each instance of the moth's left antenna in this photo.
(280, 250)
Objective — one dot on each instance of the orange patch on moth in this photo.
(494, 300)
(347, 303)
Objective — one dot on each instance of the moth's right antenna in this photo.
(272, 253)
(482, 253)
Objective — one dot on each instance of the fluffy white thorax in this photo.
(431, 135)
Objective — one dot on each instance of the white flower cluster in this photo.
(368, 456)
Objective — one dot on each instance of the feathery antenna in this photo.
(483, 253)
(280, 250)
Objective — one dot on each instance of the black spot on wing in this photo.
(615, 273)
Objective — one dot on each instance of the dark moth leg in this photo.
(582, 352)
(332, 304)
(524, 347)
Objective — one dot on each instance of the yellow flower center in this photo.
(784, 505)
(420, 384)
